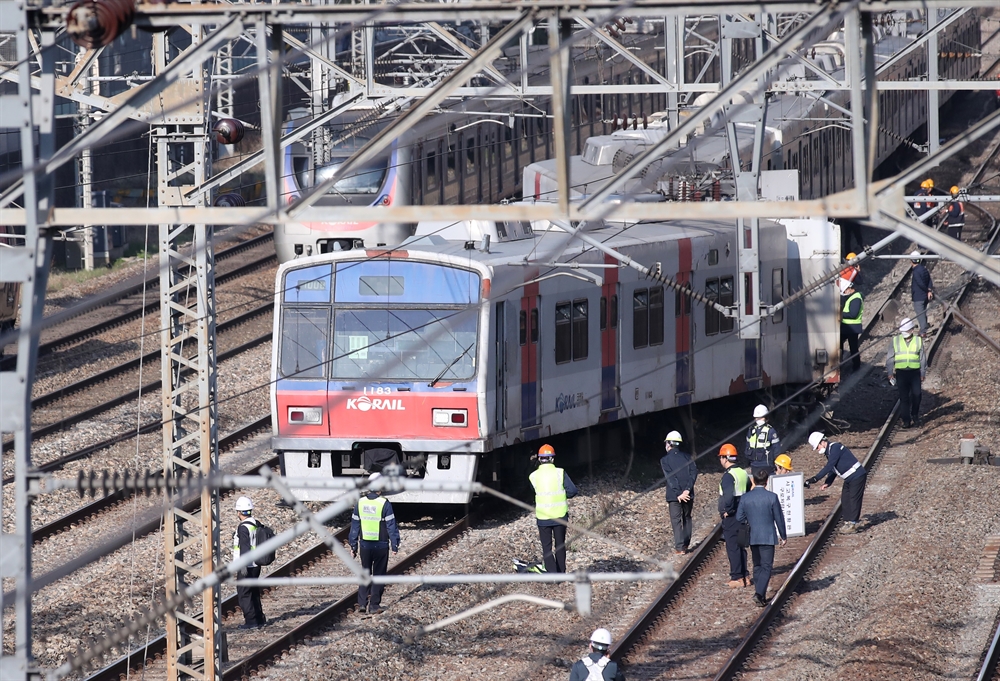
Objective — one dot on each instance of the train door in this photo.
(610, 366)
(683, 328)
(528, 339)
(500, 353)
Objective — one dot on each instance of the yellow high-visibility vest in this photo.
(550, 494)
(847, 304)
(370, 512)
(742, 483)
(906, 355)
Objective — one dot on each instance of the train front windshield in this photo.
(380, 320)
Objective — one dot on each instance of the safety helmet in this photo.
(244, 504)
(905, 325)
(601, 639)
(760, 411)
(955, 190)
(546, 450)
(673, 436)
(851, 256)
(784, 461)
(915, 255)
(374, 476)
(815, 438)
(728, 451)
(927, 184)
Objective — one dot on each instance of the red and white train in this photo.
(440, 355)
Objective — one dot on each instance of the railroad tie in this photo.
(989, 564)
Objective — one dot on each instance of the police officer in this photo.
(840, 461)
(921, 289)
(552, 488)
(926, 187)
(763, 443)
(852, 308)
(906, 364)
(954, 218)
(597, 665)
(244, 541)
(734, 483)
(375, 522)
(681, 473)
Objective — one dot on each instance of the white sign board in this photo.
(790, 489)
(779, 185)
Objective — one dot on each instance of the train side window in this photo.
(614, 311)
(432, 179)
(604, 313)
(564, 333)
(522, 327)
(713, 257)
(656, 316)
(712, 316)
(470, 155)
(534, 325)
(640, 318)
(726, 290)
(777, 292)
(581, 337)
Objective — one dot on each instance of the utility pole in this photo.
(93, 87)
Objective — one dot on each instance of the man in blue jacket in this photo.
(681, 473)
(375, 522)
(922, 289)
(840, 461)
(762, 510)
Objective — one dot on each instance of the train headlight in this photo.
(450, 418)
(305, 415)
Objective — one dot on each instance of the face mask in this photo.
(823, 451)
(907, 335)
(760, 422)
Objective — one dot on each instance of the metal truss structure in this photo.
(720, 61)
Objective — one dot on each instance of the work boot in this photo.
(849, 528)
(736, 583)
(759, 601)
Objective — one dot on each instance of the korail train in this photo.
(442, 353)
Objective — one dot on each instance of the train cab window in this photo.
(640, 318)
(712, 316)
(713, 257)
(564, 333)
(581, 340)
(534, 325)
(604, 313)
(305, 334)
(656, 316)
(726, 292)
(614, 311)
(522, 328)
(777, 292)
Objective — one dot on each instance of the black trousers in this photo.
(763, 563)
(737, 554)
(852, 495)
(849, 335)
(376, 561)
(680, 521)
(908, 385)
(955, 232)
(555, 559)
(249, 599)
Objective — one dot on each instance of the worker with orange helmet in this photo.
(954, 217)
(734, 483)
(552, 488)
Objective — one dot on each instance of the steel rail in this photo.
(73, 419)
(761, 627)
(990, 669)
(227, 442)
(117, 293)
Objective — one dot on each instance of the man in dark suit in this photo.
(762, 510)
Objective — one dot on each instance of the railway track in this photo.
(634, 646)
(316, 558)
(81, 329)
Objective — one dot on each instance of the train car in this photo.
(10, 291)
(442, 354)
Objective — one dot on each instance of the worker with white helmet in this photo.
(922, 289)
(597, 664)
(841, 462)
(681, 473)
(374, 523)
(763, 443)
(244, 541)
(906, 364)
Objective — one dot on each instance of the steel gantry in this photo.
(404, 62)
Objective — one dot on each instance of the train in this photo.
(481, 158)
(454, 356)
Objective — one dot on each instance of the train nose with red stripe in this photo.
(376, 363)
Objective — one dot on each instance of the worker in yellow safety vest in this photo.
(851, 311)
(374, 523)
(734, 484)
(552, 488)
(906, 364)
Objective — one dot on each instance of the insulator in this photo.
(620, 24)
(635, 122)
(716, 190)
(228, 131)
(229, 201)
(96, 23)
(645, 122)
(697, 195)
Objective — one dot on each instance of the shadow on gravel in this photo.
(876, 519)
(818, 499)
(810, 585)
(615, 565)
